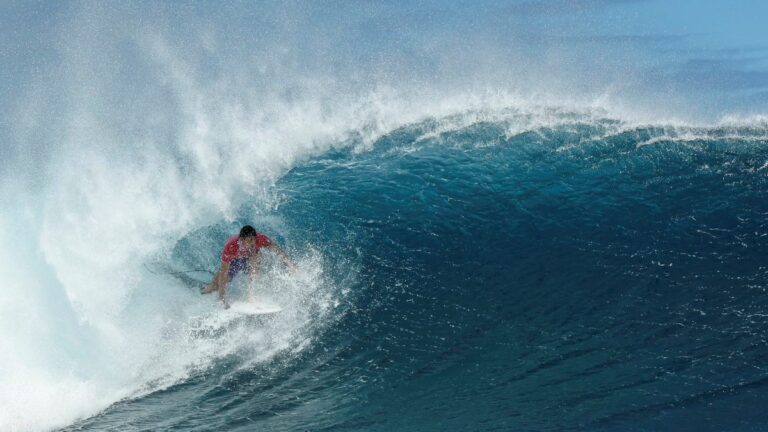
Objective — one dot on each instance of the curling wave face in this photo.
(579, 274)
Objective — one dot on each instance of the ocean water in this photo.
(469, 274)
(496, 226)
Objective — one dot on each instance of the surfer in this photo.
(241, 252)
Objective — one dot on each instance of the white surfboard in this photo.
(254, 308)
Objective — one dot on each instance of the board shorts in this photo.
(236, 266)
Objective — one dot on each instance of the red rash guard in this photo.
(233, 251)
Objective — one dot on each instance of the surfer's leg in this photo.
(222, 295)
(228, 272)
(253, 271)
(222, 291)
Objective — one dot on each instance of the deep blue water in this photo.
(586, 275)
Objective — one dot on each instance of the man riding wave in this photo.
(241, 252)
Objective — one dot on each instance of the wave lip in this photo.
(122, 333)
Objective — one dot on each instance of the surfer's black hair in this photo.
(247, 231)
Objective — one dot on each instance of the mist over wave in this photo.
(447, 197)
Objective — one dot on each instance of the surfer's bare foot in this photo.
(207, 290)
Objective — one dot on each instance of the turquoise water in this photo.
(580, 276)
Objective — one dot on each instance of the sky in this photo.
(709, 53)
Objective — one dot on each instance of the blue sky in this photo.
(700, 45)
(712, 52)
